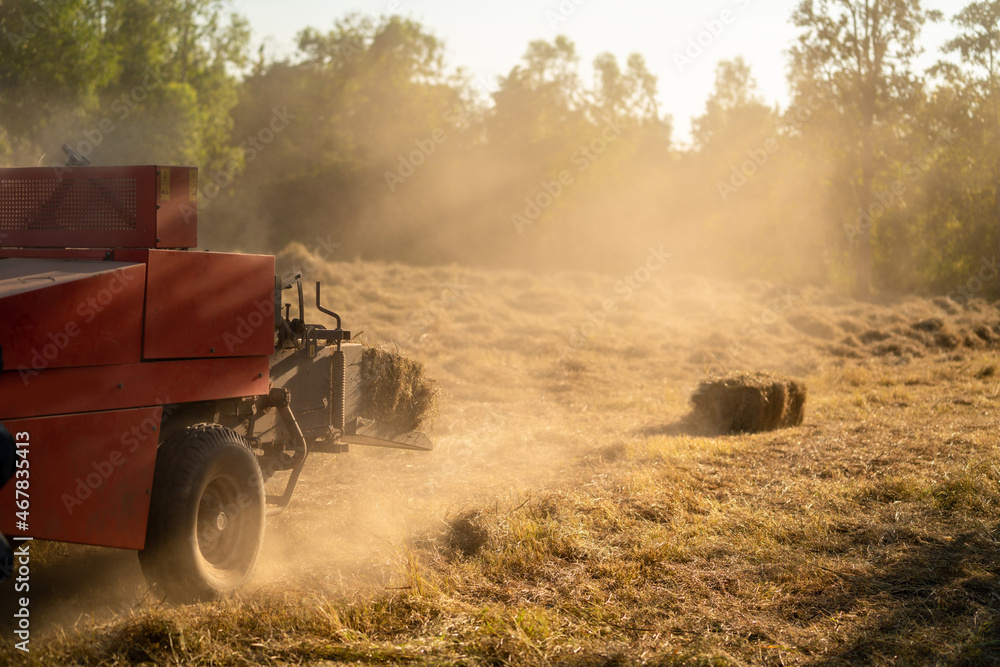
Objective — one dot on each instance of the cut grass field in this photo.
(571, 514)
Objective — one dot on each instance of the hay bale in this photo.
(750, 402)
(395, 390)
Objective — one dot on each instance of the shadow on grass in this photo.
(688, 425)
(937, 604)
(68, 583)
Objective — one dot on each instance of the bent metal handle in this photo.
(324, 310)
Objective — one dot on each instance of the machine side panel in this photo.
(69, 390)
(89, 480)
(309, 380)
(59, 314)
(206, 304)
(53, 253)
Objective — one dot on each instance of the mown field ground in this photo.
(571, 514)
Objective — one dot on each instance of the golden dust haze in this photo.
(569, 272)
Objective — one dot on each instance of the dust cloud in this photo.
(564, 268)
(540, 380)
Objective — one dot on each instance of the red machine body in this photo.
(99, 207)
(106, 321)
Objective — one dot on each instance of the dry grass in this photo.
(395, 390)
(571, 516)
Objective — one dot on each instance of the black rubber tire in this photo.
(206, 515)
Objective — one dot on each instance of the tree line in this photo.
(366, 144)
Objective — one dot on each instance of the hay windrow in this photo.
(750, 402)
(863, 537)
(395, 390)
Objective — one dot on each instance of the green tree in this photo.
(365, 95)
(126, 80)
(979, 46)
(183, 115)
(53, 65)
(540, 104)
(629, 95)
(741, 159)
(735, 115)
(857, 55)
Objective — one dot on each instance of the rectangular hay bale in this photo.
(749, 402)
(395, 390)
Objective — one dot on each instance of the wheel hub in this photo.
(218, 523)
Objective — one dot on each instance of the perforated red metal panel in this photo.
(98, 207)
(82, 204)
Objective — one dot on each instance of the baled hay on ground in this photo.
(395, 390)
(750, 402)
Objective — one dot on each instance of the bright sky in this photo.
(489, 38)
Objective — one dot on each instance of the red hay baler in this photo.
(153, 388)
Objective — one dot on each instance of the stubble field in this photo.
(572, 514)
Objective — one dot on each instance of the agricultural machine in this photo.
(152, 389)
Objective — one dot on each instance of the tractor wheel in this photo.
(206, 514)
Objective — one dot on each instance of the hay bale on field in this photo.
(395, 390)
(750, 402)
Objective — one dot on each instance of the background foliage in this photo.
(365, 144)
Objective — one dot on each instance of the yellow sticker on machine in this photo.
(165, 184)
(193, 186)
